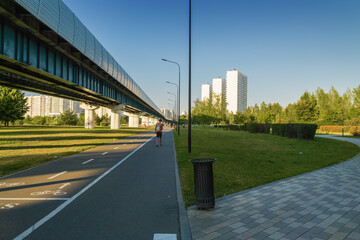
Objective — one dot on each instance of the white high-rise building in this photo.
(219, 86)
(168, 114)
(236, 91)
(205, 91)
(50, 106)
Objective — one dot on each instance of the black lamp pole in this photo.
(178, 92)
(189, 127)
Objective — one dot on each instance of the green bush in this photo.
(38, 120)
(258, 127)
(234, 127)
(104, 124)
(252, 127)
(355, 131)
(291, 130)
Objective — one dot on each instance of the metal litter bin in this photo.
(204, 182)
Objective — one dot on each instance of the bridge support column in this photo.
(116, 115)
(153, 121)
(89, 114)
(133, 120)
(145, 121)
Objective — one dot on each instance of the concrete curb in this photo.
(185, 231)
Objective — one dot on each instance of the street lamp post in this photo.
(174, 103)
(178, 92)
(189, 127)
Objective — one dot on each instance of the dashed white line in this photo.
(88, 161)
(66, 184)
(57, 175)
(116, 148)
(70, 200)
(104, 153)
(160, 236)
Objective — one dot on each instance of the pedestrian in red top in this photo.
(158, 130)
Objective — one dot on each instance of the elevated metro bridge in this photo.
(44, 48)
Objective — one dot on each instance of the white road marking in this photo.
(70, 200)
(161, 236)
(116, 148)
(57, 175)
(34, 199)
(9, 206)
(66, 184)
(88, 161)
(104, 153)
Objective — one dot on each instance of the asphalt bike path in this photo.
(122, 190)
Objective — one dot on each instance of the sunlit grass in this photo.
(246, 160)
(25, 147)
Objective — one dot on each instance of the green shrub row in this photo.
(295, 130)
(258, 127)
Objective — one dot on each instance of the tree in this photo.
(68, 118)
(306, 108)
(81, 119)
(12, 105)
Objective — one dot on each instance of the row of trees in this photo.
(66, 118)
(13, 108)
(320, 107)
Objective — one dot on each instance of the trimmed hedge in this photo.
(234, 127)
(298, 130)
(258, 128)
(334, 128)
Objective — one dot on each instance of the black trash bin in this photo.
(204, 182)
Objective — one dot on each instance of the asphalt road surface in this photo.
(122, 190)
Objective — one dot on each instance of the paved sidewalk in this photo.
(121, 190)
(323, 204)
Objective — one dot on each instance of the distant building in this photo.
(50, 106)
(168, 114)
(102, 111)
(236, 91)
(205, 91)
(219, 86)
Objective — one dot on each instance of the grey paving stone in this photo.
(299, 207)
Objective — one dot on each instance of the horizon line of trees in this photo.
(319, 107)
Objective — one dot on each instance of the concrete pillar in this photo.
(153, 121)
(133, 120)
(89, 114)
(116, 115)
(145, 120)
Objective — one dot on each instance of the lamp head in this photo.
(164, 59)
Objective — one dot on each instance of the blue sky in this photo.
(284, 46)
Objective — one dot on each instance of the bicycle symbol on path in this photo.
(48, 192)
(8, 206)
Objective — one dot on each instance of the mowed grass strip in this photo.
(26, 147)
(245, 160)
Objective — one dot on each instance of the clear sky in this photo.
(284, 46)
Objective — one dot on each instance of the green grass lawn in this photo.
(25, 147)
(245, 160)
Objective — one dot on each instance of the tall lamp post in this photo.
(178, 92)
(174, 103)
(189, 127)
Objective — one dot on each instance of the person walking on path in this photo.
(158, 130)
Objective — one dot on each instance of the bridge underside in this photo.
(36, 59)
